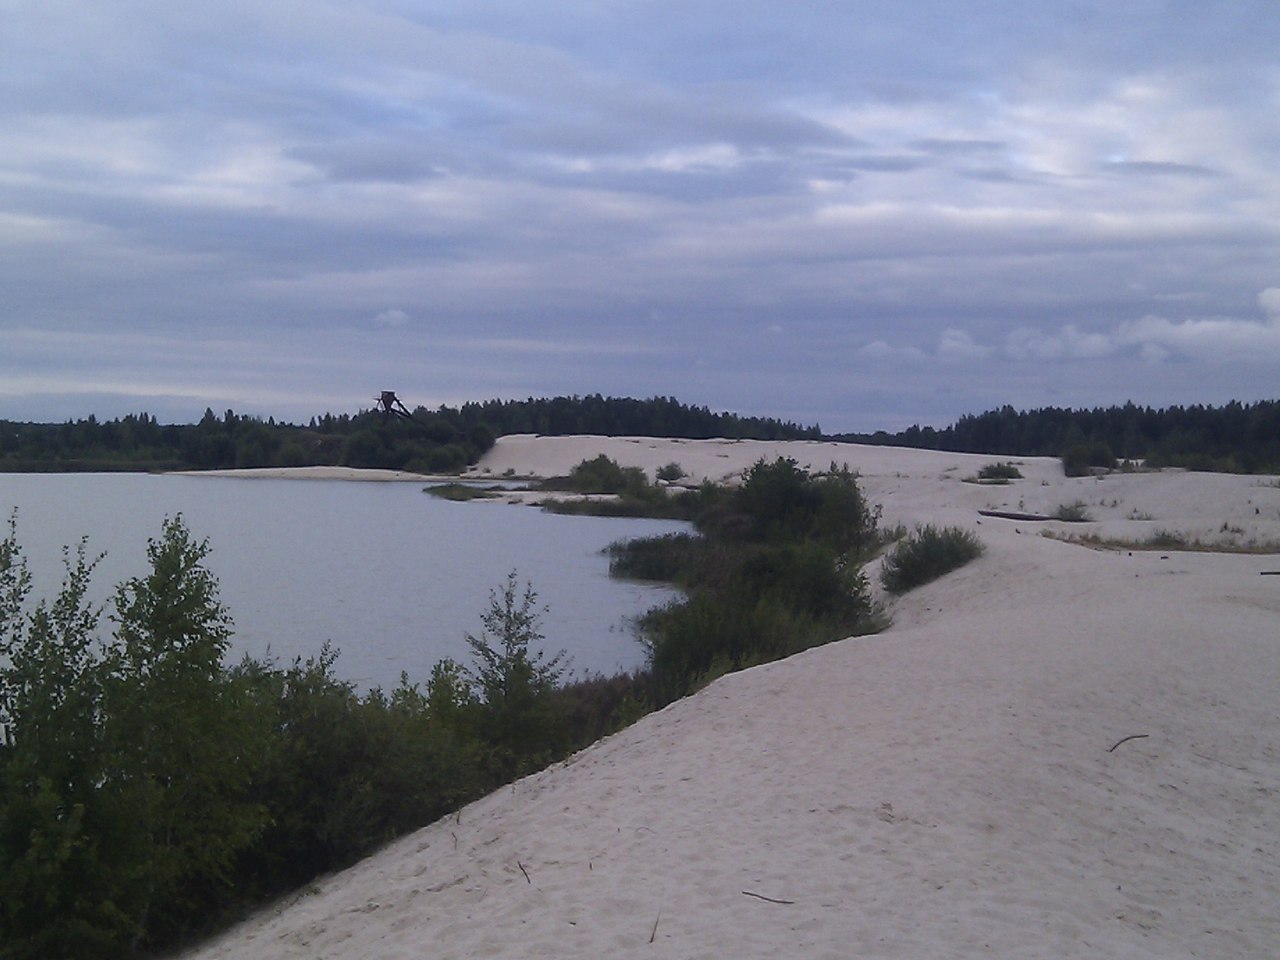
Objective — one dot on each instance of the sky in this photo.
(862, 215)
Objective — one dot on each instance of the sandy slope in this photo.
(944, 789)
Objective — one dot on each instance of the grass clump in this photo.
(926, 555)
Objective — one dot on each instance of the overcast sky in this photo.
(860, 214)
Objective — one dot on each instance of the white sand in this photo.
(943, 789)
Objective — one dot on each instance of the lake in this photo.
(394, 577)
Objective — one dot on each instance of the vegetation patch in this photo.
(774, 568)
(463, 492)
(670, 473)
(603, 488)
(1076, 512)
(926, 555)
(997, 473)
(1167, 540)
(149, 791)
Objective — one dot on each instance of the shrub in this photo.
(1072, 513)
(461, 492)
(999, 471)
(1079, 460)
(926, 555)
(603, 475)
(780, 501)
(671, 473)
(671, 558)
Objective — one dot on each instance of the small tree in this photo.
(180, 739)
(56, 882)
(520, 723)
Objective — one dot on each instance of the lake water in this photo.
(393, 576)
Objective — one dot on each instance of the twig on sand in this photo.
(654, 932)
(1132, 736)
(761, 896)
(524, 871)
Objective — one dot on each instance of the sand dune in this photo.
(954, 787)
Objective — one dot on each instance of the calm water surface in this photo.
(394, 577)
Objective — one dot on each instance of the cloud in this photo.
(953, 345)
(1156, 338)
(391, 318)
(564, 348)
(959, 345)
(1068, 343)
(1215, 339)
(1269, 300)
(1161, 168)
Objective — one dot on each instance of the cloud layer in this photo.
(865, 216)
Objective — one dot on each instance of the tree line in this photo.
(440, 440)
(1237, 438)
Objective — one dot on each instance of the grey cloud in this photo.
(1161, 169)
(886, 163)
(959, 147)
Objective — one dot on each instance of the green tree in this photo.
(180, 741)
(522, 726)
(123, 763)
(55, 881)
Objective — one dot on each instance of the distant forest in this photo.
(1236, 438)
(442, 440)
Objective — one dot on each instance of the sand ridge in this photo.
(952, 787)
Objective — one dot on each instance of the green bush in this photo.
(126, 761)
(462, 492)
(1080, 460)
(781, 501)
(1000, 471)
(926, 555)
(672, 557)
(775, 570)
(671, 473)
(1072, 512)
(603, 475)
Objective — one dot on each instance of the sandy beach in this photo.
(1057, 751)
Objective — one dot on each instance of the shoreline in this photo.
(357, 474)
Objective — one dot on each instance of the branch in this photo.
(760, 896)
(1132, 736)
